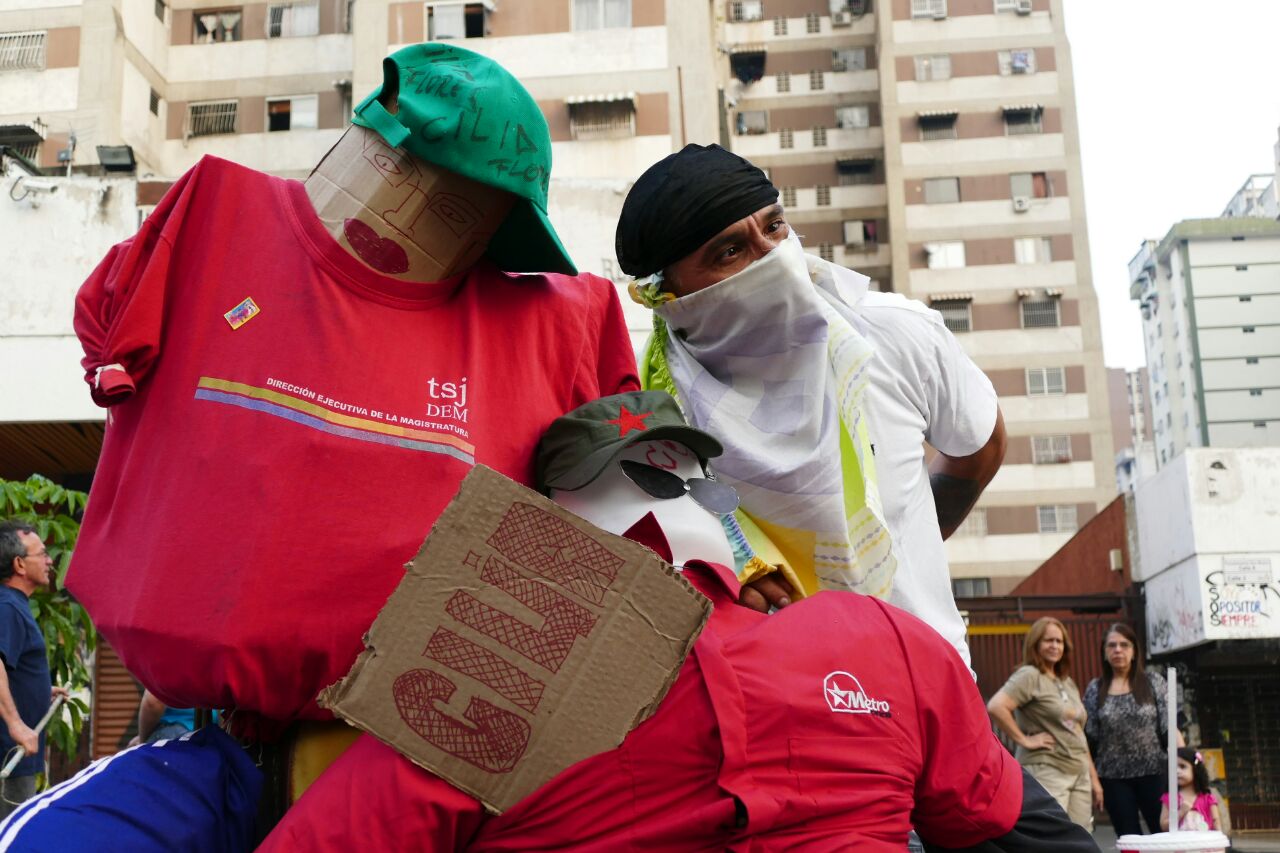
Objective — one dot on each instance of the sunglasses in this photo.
(715, 497)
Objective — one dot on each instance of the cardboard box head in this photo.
(521, 641)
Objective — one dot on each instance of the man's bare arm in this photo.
(958, 481)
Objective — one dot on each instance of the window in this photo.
(970, 587)
(849, 59)
(1020, 120)
(853, 118)
(1016, 62)
(160, 11)
(1245, 299)
(456, 21)
(823, 194)
(859, 233)
(602, 118)
(1040, 313)
(1060, 518)
(1242, 267)
(1249, 330)
(827, 252)
(941, 190)
(788, 196)
(1046, 381)
(779, 26)
(601, 14)
(956, 315)
(946, 255)
(297, 113)
(934, 67)
(853, 172)
(1050, 449)
(1255, 392)
(786, 138)
(928, 8)
(1030, 185)
(812, 23)
(937, 126)
(819, 137)
(154, 104)
(216, 26)
(782, 81)
(974, 524)
(1253, 359)
(747, 10)
(1032, 250)
(287, 20)
(208, 118)
(752, 122)
(817, 81)
(1259, 424)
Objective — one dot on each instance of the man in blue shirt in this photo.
(26, 688)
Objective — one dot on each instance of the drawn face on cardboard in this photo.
(400, 215)
(613, 503)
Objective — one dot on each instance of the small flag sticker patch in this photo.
(242, 313)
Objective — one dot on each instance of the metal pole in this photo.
(1171, 707)
(22, 753)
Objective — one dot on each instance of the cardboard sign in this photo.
(521, 641)
(400, 215)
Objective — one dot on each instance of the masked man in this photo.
(827, 726)
(823, 392)
(279, 356)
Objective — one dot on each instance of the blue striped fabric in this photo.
(197, 793)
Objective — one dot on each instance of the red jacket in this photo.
(835, 724)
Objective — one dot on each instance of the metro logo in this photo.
(844, 695)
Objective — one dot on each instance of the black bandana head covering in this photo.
(684, 200)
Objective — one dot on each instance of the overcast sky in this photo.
(1179, 102)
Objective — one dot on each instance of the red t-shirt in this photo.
(269, 466)
(836, 724)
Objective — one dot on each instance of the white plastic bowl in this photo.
(1173, 842)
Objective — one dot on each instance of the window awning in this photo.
(950, 297)
(1022, 108)
(1052, 291)
(936, 115)
(609, 98)
(747, 63)
(1026, 293)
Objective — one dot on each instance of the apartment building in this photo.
(932, 144)
(1209, 292)
(1131, 431)
(928, 143)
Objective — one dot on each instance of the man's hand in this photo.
(766, 592)
(1042, 740)
(59, 691)
(25, 737)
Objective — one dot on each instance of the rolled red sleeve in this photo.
(372, 798)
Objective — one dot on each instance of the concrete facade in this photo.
(1210, 298)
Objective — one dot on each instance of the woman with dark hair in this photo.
(1039, 709)
(1127, 731)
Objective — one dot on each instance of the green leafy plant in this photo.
(69, 636)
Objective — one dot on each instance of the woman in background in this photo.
(1039, 709)
(1127, 732)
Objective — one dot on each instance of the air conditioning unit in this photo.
(1023, 7)
(842, 19)
(1021, 204)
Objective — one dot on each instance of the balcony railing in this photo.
(22, 51)
(211, 118)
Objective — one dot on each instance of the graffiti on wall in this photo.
(1242, 597)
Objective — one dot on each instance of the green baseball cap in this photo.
(578, 446)
(466, 113)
